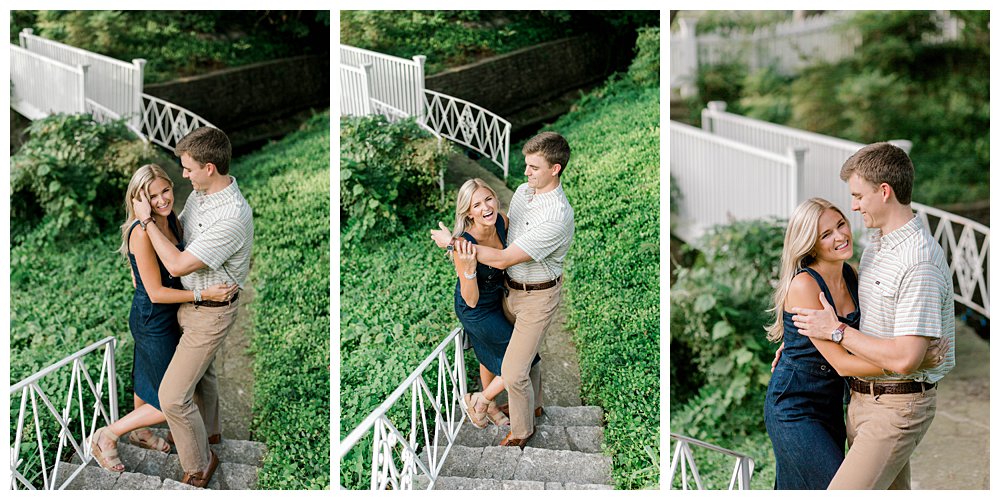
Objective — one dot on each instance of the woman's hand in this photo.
(466, 253)
(936, 352)
(221, 292)
(141, 206)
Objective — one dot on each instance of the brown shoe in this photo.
(201, 479)
(505, 408)
(512, 441)
(213, 439)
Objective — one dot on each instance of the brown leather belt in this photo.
(528, 287)
(212, 303)
(879, 388)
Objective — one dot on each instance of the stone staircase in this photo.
(145, 469)
(564, 454)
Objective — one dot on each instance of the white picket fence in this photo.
(787, 47)
(51, 77)
(739, 168)
(374, 83)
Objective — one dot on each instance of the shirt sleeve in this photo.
(544, 239)
(918, 307)
(218, 242)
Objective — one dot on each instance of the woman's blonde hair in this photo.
(463, 204)
(797, 253)
(141, 180)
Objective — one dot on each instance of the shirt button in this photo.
(878, 282)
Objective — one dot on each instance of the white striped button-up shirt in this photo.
(542, 226)
(218, 230)
(906, 289)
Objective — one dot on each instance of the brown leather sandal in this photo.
(478, 418)
(496, 416)
(153, 442)
(107, 459)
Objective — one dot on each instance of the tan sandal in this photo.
(478, 418)
(107, 459)
(496, 416)
(153, 442)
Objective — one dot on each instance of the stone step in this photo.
(239, 462)
(465, 483)
(531, 464)
(572, 416)
(553, 437)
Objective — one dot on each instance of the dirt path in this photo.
(233, 364)
(560, 362)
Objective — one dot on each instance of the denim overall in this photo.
(804, 407)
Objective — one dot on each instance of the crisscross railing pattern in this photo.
(436, 414)
(75, 422)
(165, 123)
(469, 125)
(684, 460)
(966, 245)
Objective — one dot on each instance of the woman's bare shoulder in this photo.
(803, 292)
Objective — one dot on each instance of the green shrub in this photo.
(645, 68)
(389, 174)
(72, 173)
(288, 185)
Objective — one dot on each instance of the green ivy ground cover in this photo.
(288, 184)
(68, 296)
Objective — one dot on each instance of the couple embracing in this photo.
(882, 337)
(187, 272)
(509, 271)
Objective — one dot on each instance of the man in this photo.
(907, 301)
(540, 234)
(217, 226)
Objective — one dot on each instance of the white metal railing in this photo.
(392, 80)
(965, 242)
(397, 458)
(684, 460)
(470, 125)
(374, 83)
(41, 86)
(114, 84)
(758, 183)
(76, 423)
(165, 123)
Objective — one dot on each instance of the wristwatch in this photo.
(838, 335)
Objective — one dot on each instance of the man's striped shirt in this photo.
(906, 289)
(218, 230)
(542, 226)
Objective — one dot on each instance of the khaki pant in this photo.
(531, 312)
(189, 394)
(882, 433)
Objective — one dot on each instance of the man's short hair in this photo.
(207, 145)
(551, 146)
(882, 162)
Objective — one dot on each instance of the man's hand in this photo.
(936, 352)
(441, 236)
(141, 206)
(777, 356)
(816, 323)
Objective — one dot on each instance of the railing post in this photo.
(706, 115)
(83, 87)
(797, 155)
(112, 381)
(689, 60)
(420, 104)
(23, 37)
(367, 88)
(138, 80)
(903, 144)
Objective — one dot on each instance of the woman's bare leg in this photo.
(485, 375)
(144, 415)
(494, 388)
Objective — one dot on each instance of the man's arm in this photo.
(502, 259)
(902, 354)
(178, 263)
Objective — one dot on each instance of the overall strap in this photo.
(128, 237)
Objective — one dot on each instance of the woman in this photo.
(479, 294)
(153, 317)
(803, 410)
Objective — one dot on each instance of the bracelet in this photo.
(197, 295)
(469, 276)
(145, 221)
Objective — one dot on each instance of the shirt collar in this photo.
(893, 239)
(218, 197)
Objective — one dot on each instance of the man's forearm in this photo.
(900, 355)
(491, 257)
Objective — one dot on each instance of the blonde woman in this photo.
(153, 316)
(804, 407)
(479, 294)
